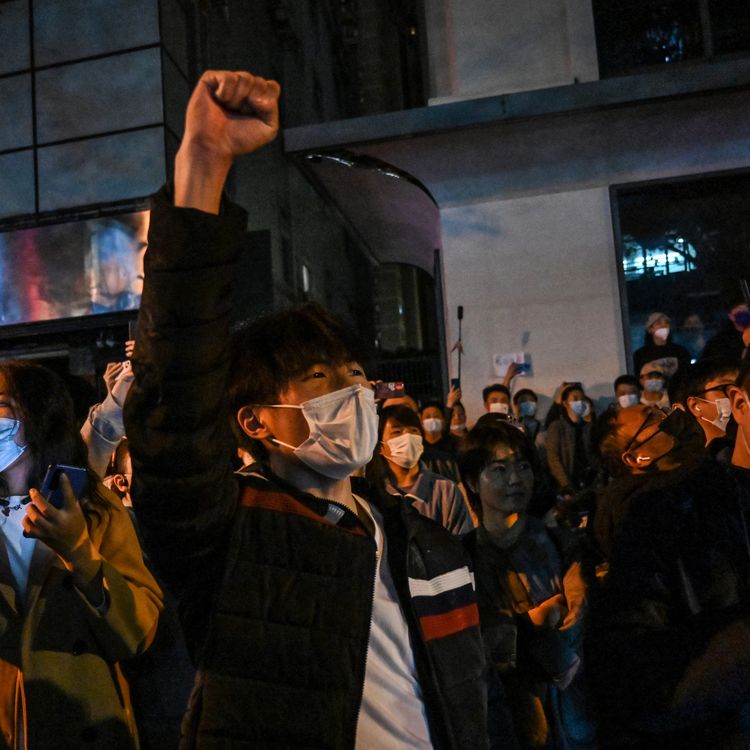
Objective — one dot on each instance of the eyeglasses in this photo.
(723, 388)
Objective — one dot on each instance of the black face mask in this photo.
(687, 433)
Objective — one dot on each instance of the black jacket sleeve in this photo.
(176, 416)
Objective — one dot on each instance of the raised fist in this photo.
(231, 113)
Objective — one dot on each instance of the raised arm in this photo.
(176, 416)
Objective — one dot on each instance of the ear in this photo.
(473, 486)
(251, 425)
(120, 482)
(740, 405)
(693, 406)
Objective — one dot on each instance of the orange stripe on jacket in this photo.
(280, 502)
(440, 626)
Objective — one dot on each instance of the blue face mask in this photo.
(527, 408)
(742, 319)
(579, 408)
(10, 451)
(654, 385)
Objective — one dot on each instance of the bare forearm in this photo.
(199, 177)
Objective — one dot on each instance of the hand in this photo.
(746, 336)
(454, 396)
(64, 530)
(129, 348)
(118, 377)
(231, 113)
(549, 613)
(513, 369)
(228, 114)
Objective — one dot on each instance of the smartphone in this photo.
(388, 390)
(51, 489)
(455, 383)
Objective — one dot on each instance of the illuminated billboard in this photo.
(73, 269)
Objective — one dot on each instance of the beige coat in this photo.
(60, 683)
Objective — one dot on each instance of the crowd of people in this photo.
(295, 565)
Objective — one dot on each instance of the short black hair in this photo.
(524, 392)
(268, 352)
(626, 380)
(743, 379)
(492, 387)
(434, 402)
(691, 380)
(569, 389)
(401, 414)
(478, 449)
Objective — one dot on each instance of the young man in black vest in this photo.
(317, 618)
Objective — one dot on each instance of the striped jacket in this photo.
(287, 639)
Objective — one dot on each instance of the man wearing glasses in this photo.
(668, 646)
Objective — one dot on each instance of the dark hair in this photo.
(401, 414)
(626, 380)
(569, 389)
(479, 447)
(743, 379)
(691, 380)
(524, 392)
(492, 387)
(268, 352)
(44, 406)
(432, 402)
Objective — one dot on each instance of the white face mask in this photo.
(661, 334)
(343, 431)
(432, 425)
(458, 427)
(406, 449)
(10, 451)
(723, 413)
(499, 407)
(629, 399)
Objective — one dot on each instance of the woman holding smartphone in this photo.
(75, 595)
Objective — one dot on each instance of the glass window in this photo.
(635, 34)
(112, 93)
(72, 29)
(684, 246)
(15, 95)
(14, 36)
(98, 170)
(17, 183)
(730, 25)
